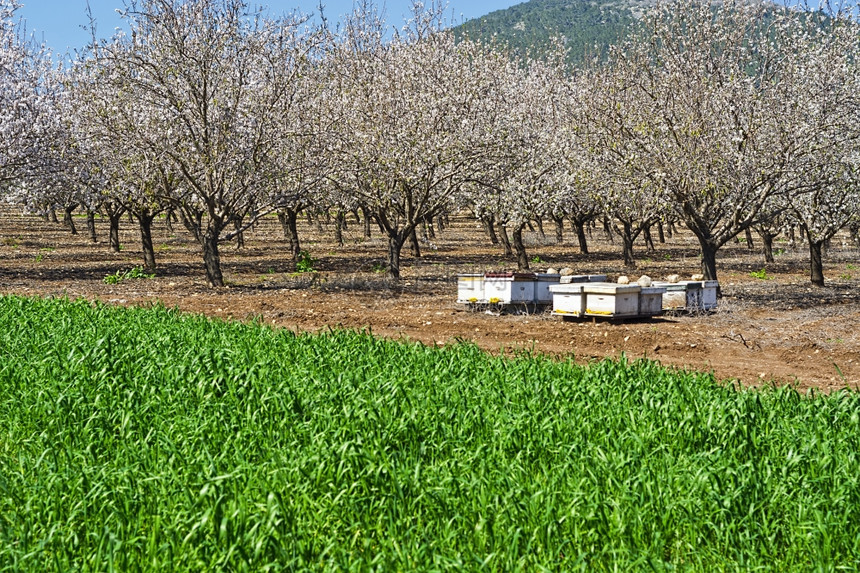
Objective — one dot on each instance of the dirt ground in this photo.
(779, 328)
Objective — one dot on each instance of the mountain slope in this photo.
(588, 27)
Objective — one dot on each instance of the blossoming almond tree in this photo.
(710, 122)
(25, 101)
(825, 106)
(409, 121)
(300, 159)
(533, 169)
(201, 71)
(624, 183)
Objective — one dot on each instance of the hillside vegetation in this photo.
(588, 27)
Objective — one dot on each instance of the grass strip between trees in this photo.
(146, 439)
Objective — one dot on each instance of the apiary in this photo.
(651, 301)
(470, 288)
(610, 299)
(543, 283)
(568, 299)
(506, 288)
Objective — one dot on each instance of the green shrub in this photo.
(305, 263)
(133, 273)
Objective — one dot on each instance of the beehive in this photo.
(568, 299)
(682, 296)
(543, 283)
(610, 299)
(507, 288)
(651, 301)
(470, 288)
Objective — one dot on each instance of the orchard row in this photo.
(727, 119)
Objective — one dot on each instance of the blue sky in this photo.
(59, 22)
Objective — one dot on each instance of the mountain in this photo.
(588, 27)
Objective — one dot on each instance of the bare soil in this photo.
(776, 330)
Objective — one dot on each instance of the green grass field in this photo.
(145, 439)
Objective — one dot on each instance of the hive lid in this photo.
(567, 288)
(511, 276)
(674, 287)
(574, 279)
(611, 288)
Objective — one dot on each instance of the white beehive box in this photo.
(506, 288)
(709, 294)
(543, 283)
(470, 288)
(610, 299)
(568, 299)
(681, 296)
(651, 300)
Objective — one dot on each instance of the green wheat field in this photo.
(147, 439)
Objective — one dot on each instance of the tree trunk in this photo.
(709, 260)
(91, 226)
(627, 238)
(854, 230)
(68, 221)
(114, 216)
(487, 222)
(520, 248)
(766, 245)
(579, 226)
(395, 245)
(749, 238)
(367, 217)
(240, 235)
(505, 240)
(559, 229)
(212, 259)
(114, 236)
(169, 217)
(816, 261)
(607, 229)
(52, 214)
(539, 221)
(289, 224)
(194, 226)
(414, 247)
(428, 226)
(649, 241)
(145, 222)
(661, 234)
(339, 226)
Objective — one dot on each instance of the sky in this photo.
(59, 23)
